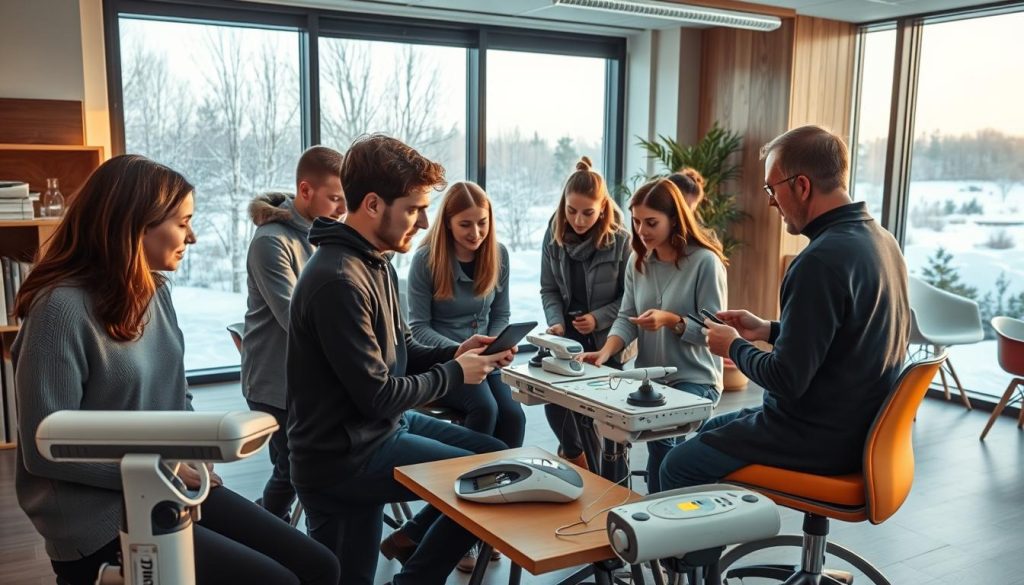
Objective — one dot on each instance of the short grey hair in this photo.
(815, 152)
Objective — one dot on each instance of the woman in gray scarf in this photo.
(583, 265)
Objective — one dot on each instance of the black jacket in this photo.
(838, 349)
(353, 367)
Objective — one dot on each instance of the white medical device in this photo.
(524, 479)
(156, 534)
(607, 402)
(672, 524)
(558, 354)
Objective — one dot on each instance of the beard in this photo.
(393, 239)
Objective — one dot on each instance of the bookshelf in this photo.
(39, 139)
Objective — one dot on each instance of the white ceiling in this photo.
(543, 15)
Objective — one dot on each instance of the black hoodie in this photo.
(353, 366)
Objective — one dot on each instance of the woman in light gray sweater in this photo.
(675, 269)
(582, 278)
(458, 287)
(100, 333)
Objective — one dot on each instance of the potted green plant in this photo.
(712, 156)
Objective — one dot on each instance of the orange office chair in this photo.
(1010, 334)
(874, 495)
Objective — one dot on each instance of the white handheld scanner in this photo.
(109, 435)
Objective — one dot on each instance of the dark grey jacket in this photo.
(452, 321)
(278, 251)
(839, 347)
(353, 366)
(605, 275)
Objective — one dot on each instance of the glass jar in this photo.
(51, 203)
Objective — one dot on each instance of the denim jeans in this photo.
(697, 463)
(278, 493)
(347, 516)
(489, 409)
(658, 450)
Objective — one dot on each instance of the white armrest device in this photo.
(563, 353)
(156, 534)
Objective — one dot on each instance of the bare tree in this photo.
(346, 66)
(520, 181)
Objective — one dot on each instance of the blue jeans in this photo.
(658, 450)
(489, 409)
(347, 516)
(697, 463)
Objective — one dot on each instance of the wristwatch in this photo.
(679, 327)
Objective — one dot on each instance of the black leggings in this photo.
(235, 542)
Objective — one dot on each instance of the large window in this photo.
(221, 105)
(232, 96)
(963, 208)
(544, 112)
(966, 202)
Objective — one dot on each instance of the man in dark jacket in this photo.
(841, 340)
(279, 249)
(354, 370)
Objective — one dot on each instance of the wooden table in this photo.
(524, 532)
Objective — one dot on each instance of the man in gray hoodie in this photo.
(277, 253)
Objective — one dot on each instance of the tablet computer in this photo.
(510, 337)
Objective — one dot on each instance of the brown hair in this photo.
(590, 184)
(814, 152)
(318, 163)
(441, 257)
(98, 244)
(663, 195)
(379, 164)
(690, 183)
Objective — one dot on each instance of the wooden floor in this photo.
(962, 525)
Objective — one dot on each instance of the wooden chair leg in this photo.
(999, 407)
(945, 386)
(959, 386)
(1020, 417)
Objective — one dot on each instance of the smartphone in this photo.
(576, 314)
(510, 337)
(711, 316)
(695, 319)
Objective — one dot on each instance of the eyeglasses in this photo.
(770, 189)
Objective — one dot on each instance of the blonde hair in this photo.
(589, 184)
(441, 245)
(663, 195)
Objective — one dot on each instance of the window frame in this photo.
(315, 23)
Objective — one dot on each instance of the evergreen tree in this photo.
(941, 274)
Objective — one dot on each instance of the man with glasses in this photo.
(839, 344)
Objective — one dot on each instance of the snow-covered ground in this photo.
(203, 314)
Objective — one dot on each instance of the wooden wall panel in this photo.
(746, 88)
(41, 122)
(762, 84)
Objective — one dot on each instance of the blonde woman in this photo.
(675, 269)
(582, 278)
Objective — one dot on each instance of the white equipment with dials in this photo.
(675, 523)
(156, 534)
(608, 402)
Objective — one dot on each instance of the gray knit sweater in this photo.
(698, 283)
(64, 360)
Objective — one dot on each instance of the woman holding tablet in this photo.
(582, 270)
(675, 269)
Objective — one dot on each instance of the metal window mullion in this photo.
(900, 146)
(309, 74)
(476, 111)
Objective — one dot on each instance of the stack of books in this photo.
(16, 200)
(12, 274)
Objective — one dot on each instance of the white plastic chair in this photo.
(942, 319)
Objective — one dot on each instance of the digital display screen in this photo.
(492, 480)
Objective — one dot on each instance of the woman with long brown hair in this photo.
(582, 277)
(675, 269)
(458, 287)
(100, 333)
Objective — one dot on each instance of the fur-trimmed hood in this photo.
(277, 207)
